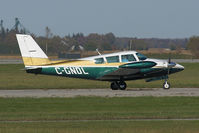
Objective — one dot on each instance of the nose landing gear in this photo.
(118, 85)
(166, 85)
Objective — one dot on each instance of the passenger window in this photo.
(112, 59)
(128, 57)
(99, 60)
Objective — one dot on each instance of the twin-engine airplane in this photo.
(115, 67)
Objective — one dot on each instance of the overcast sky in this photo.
(125, 18)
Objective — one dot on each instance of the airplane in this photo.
(114, 67)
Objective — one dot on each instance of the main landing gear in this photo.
(121, 85)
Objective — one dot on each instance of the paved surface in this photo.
(54, 121)
(185, 60)
(19, 61)
(157, 92)
(11, 61)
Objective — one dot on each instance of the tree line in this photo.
(54, 44)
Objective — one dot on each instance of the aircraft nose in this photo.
(180, 67)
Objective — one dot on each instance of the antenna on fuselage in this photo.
(98, 51)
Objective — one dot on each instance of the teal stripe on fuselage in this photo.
(78, 72)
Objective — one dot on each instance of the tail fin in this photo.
(31, 53)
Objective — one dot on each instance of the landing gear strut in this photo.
(118, 85)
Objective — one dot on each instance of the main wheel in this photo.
(166, 85)
(114, 86)
(122, 85)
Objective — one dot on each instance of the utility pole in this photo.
(47, 38)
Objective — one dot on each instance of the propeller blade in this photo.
(169, 61)
(170, 64)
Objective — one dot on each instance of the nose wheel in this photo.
(166, 85)
(121, 85)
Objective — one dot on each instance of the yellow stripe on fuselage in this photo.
(28, 61)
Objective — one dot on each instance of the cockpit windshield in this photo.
(128, 57)
(141, 56)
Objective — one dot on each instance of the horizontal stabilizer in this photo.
(34, 70)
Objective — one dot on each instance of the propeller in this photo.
(170, 64)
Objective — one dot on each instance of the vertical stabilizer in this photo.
(31, 53)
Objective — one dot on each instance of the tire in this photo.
(122, 85)
(166, 85)
(114, 86)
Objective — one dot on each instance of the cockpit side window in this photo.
(99, 60)
(141, 56)
(112, 59)
(128, 57)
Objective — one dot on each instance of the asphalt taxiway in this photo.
(156, 92)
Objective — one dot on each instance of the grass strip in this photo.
(13, 77)
(98, 108)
